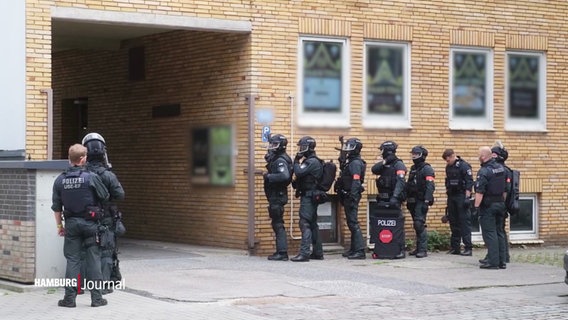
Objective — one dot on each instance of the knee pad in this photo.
(90, 241)
(275, 211)
(419, 226)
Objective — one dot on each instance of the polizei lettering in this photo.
(386, 223)
(72, 183)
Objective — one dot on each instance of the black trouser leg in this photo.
(351, 207)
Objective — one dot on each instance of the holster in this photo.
(94, 213)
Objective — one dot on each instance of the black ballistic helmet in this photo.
(277, 142)
(96, 146)
(388, 148)
(353, 146)
(501, 152)
(419, 153)
(306, 144)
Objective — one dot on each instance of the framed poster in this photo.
(212, 154)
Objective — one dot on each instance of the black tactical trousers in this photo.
(309, 227)
(276, 212)
(351, 207)
(79, 232)
(418, 211)
(460, 222)
(491, 220)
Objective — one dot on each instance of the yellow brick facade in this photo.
(210, 74)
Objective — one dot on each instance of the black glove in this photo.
(429, 202)
(467, 203)
(393, 202)
(298, 157)
(475, 213)
(445, 218)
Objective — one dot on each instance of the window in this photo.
(524, 225)
(526, 91)
(471, 89)
(386, 89)
(323, 94)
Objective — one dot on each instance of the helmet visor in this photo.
(303, 148)
(416, 155)
(349, 146)
(273, 145)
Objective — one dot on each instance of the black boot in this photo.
(300, 258)
(314, 256)
(359, 255)
(421, 254)
(401, 255)
(278, 256)
(67, 302)
(467, 252)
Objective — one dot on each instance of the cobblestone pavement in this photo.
(166, 280)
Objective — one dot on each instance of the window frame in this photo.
(536, 125)
(468, 123)
(322, 119)
(524, 234)
(403, 121)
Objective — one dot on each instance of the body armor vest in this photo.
(496, 180)
(77, 194)
(454, 180)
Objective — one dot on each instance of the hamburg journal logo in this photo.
(79, 283)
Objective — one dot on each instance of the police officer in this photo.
(459, 182)
(353, 177)
(420, 190)
(391, 181)
(97, 162)
(276, 181)
(78, 195)
(392, 172)
(500, 154)
(490, 206)
(307, 174)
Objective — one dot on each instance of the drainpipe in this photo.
(291, 228)
(250, 172)
(49, 93)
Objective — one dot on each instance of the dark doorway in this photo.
(74, 122)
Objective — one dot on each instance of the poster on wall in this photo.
(212, 151)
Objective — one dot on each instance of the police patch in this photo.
(469, 172)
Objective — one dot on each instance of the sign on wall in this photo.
(212, 150)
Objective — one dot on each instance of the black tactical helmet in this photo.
(306, 144)
(277, 142)
(501, 152)
(388, 148)
(419, 153)
(352, 145)
(96, 145)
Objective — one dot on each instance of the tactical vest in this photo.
(272, 167)
(495, 180)
(416, 184)
(347, 175)
(76, 193)
(386, 182)
(454, 180)
(310, 181)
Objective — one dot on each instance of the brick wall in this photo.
(17, 225)
(162, 205)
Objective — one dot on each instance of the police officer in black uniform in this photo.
(391, 181)
(500, 154)
(276, 181)
(353, 177)
(459, 182)
(490, 206)
(391, 171)
(420, 190)
(97, 162)
(78, 195)
(307, 174)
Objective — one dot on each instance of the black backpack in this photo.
(328, 176)
(512, 200)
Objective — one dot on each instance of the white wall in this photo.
(13, 75)
(50, 262)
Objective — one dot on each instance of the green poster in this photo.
(220, 163)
